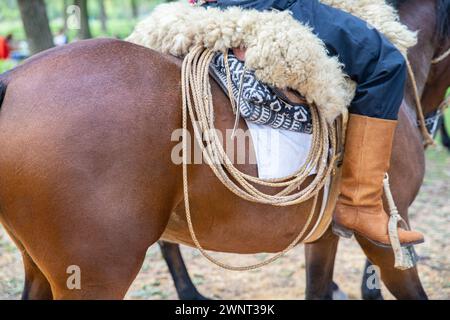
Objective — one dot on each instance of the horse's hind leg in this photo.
(104, 274)
(36, 285)
(92, 249)
(185, 288)
(320, 257)
(106, 264)
(404, 285)
(102, 266)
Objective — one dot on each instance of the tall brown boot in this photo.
(366, 160)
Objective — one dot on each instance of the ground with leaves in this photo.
(285, 279)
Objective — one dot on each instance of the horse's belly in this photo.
(238, 226)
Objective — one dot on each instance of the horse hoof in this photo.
(338, 294)
(193, 296)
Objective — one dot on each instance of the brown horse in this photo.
(86, 177)
(437, 83)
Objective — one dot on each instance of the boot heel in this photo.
(342, 231)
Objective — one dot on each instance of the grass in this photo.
(447, 114)
(447, 119)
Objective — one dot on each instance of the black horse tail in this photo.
(3, 85)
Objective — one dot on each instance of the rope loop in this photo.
(198, 106)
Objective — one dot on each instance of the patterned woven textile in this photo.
(258, 102)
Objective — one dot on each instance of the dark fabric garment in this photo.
(246, 4)
(368, 57)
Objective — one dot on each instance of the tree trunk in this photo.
(85, 31)
(36, 25)
(103, 16)
(134, 9)
(65, 15)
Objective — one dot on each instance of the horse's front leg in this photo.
(320, 257)
(403, 284)
(185, 287)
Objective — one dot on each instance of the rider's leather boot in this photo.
(366, 160)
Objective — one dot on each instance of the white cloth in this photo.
(279, 153)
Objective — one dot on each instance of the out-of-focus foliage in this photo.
(120, 21)
(6, 65)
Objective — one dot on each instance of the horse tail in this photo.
(3, 85)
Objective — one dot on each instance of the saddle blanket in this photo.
(281, 132)
(256, 101)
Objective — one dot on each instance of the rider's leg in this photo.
(366, 160)
(380, 72)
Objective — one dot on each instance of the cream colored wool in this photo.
(281, 51)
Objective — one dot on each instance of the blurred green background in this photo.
(105, 18)
(120, 16)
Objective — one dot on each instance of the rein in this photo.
(442, 57)
(428, 139)
(197, 100)
(422, 122)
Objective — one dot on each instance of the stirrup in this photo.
(341, 231)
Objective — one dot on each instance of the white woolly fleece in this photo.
(281, 51)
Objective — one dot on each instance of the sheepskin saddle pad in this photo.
(280, 51)
(258, 102)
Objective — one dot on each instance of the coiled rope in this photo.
(197, 102)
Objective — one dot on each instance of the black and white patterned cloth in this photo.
(259, 103)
